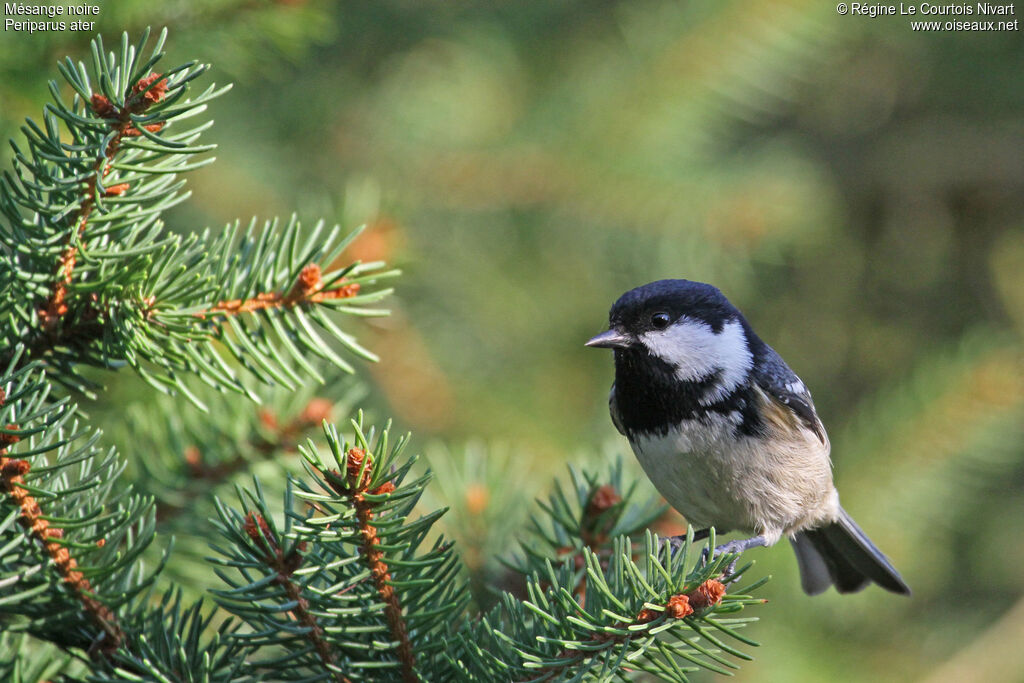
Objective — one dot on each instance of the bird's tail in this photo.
(842, 554)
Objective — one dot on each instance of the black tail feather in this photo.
(851, 561)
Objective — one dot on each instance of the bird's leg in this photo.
(737, 546)
(676, 542)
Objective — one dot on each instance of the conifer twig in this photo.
(285, 565)
(593, 533)
(360, 467)
(679, 606)
(145, 93)
(284, 437)
(309, 288)
(12, 482)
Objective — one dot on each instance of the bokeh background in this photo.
(857, 188)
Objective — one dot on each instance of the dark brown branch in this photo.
(12, 483)
(374, 556)
(285, 565)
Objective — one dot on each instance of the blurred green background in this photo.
(855, 187)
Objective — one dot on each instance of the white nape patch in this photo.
(796, 387)
(697, 352)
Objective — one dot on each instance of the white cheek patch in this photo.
(696, 352)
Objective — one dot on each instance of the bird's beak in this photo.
(611, 339)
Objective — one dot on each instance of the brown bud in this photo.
(194, 461)
(153, 94)
(707, 594)
(14, 468)
(9, 439)
(102, 106)
(646, 615)
(268, 419)
(386, 487)
(309, 279)
(133, 132)
(678, 607)
(255, 525)
(354, 464)
(346, 291)
(602, 499)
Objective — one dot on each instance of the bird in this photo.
(729, 435)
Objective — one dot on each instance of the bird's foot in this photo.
(731, 547)
(676, 542)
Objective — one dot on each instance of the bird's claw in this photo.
(726, 549)
(674, 543)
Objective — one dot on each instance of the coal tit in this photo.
(729, 435)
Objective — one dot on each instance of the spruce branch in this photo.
(77, 542)
(146, 92)
(309, 288)
(12, 483)
(192, 455)
(172, 641)
(203, 475)
(81, 213)
(277, 602)
(359, 471)
(579, 567)
(641, 614)
(82, 234)
(590, 516)
(352, 554)
(259, 530)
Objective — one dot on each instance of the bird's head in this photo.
(690, 326)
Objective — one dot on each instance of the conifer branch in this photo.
(309, 288)
(359, 470)
(127, 291)
(594, 527)
(12, 483)
(77, 536)
(678, 606)
(145, 93)
(286, 565)
(203, 476)
(587, 519)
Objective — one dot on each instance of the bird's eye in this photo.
(660, 321)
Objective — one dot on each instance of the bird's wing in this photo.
(614, 410)
(783, 386)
